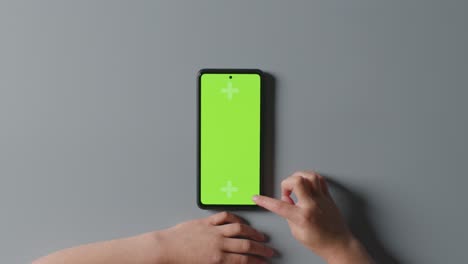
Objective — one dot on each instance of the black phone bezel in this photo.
(262, 81)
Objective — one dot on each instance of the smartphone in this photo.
(229, 137)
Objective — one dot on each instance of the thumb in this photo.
(278, 207)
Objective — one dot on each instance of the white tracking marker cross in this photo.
(229, 91)
(229, 189)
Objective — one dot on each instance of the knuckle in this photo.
(309, 174)
(300, 173)
(314, 176)
(297, 180)
(292, 180)
(224, 215)
(284, 182)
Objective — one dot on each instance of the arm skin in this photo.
(220, 238)
(315, 220)
(350, 252)
(142, 249)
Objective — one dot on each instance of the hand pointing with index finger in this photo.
(314, 219)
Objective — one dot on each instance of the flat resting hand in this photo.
(220, 238)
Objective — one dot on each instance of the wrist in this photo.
(156, 250)
(346, 251)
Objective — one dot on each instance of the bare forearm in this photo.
(138, 249)
(349, 253)
(195, 241)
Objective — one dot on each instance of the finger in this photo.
(241, 230)
(278, 207)
(312, 180)
(232, 258)
(224, 218)
(246, 246)
(324, 185)
(296, 185)
(287, 198)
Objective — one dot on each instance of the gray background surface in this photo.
(97, 116)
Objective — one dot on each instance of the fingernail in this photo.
(255, 198)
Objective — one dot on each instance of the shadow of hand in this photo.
(358, 221)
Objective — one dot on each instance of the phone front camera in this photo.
(230, 77)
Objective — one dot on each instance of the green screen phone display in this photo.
(229, 161)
